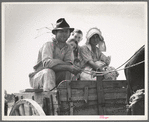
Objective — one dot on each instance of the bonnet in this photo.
(93, 31)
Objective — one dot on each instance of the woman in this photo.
(92, 58)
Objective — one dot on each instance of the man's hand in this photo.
(74, 70)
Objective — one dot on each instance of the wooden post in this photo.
(69, 97)
(100, 95)
(55, 102)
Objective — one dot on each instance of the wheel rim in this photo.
(26, 107)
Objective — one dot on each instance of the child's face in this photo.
(73, 45)
(77, 36)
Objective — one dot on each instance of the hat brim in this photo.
(56, 29)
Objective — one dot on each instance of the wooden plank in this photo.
(54, 101)
(115, 84)
(69, 98)
(93, 110)
(78, 84)
(92, 84)
(77, 98)
(94, 96)
(25, 95)
(31, 90)
(114, 95)
(80, 106)
(108, 103)
(86, 94)
(115, 102)
(52, 104)
(38, 97)
(90, 110)
(69, 91)
(120, 110)
(115, 90)
(80, 92)
(100, 96)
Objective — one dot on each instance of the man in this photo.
(55, 59)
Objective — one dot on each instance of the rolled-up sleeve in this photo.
(85, 54)
(47, 56)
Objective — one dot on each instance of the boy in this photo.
(77, 35)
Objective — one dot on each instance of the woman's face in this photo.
(94, 40)
(73, 45)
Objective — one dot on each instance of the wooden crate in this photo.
(92, 97)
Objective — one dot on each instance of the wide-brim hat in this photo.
(93, 31)
(62, 24)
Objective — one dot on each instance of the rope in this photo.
(131, 57)
(103, 73)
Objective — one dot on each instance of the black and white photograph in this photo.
(74, 61)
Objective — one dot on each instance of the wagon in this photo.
(88, 97)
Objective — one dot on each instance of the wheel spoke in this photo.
(22, 110)
(17, 112)
(30, 110)
(26, 107)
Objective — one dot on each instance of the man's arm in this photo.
(47, 56)
(69, 68)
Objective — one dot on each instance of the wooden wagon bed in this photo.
(82, 98)
(92, 97)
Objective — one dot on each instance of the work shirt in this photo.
(51, 55)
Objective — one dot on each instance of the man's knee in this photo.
(48, 71)
(42, 77)
(63, 75)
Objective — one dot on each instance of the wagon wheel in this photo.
(26, 107)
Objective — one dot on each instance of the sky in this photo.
(123, 26)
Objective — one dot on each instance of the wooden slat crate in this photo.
(92, 97)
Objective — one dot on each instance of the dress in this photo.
(49, 56)
(86, 55)
(99, 58)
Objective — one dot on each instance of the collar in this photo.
(56, 42)
(89, 47)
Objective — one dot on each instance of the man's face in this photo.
(62, 35)
(77, 37)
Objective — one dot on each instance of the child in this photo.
(77, 35)
(73, 43)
